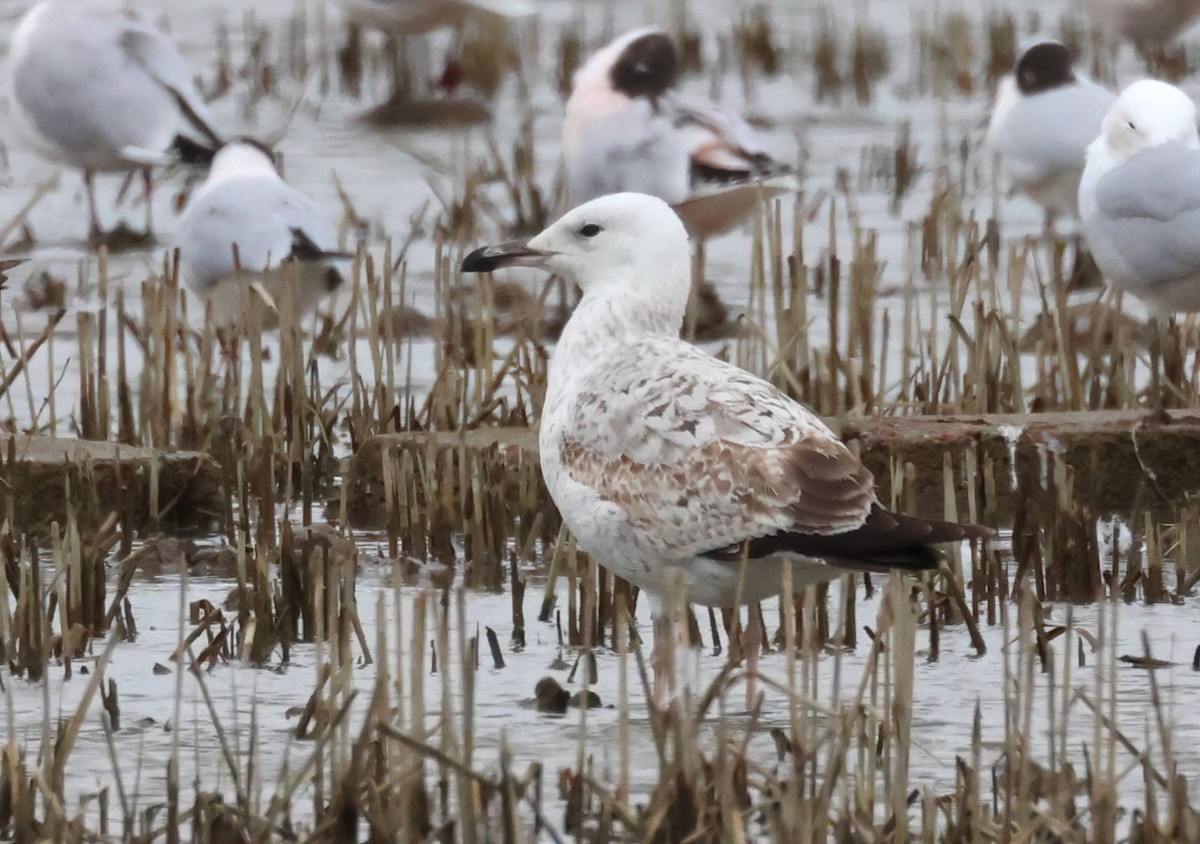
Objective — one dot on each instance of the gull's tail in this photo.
(191, 152)
(884, 541)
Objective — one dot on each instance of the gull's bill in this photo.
(486, 259)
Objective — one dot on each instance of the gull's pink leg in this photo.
(751, 641)
(662, 660)
(147, 196)
(95, 233)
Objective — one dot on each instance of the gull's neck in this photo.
(1098, 162)
(237, 160)
(611, 318)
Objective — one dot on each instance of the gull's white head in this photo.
(241, 158)
(1146, 114)
(626, 246)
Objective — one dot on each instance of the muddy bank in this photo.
(1107, 462)
(42, 479)
(1114, 462)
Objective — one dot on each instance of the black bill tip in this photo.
(489, 258)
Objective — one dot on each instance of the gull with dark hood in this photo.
(1043, 119)
(627, 128)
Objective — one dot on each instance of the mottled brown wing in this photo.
(728, 458)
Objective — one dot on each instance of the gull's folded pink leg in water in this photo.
(662, 661)
(752, 642)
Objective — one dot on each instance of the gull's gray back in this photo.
(1148, 212)
(256, 213)
(630, 150)
(1049, 132)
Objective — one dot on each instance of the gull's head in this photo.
(1043, 66)
(646, 65)
(1149, 113)
(640, 63)
(242, 157)
(627, 241)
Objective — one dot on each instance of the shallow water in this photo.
(388, 186)
(946, 694)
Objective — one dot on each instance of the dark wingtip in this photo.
(192, 153)
(6, 265)
(886, 540)
(482, 260)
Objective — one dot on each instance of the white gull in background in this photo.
(280, 236)
(1139, 198)
(1146, 23)
(627, 129)
(1043, 119)
(415, 17)
(95, 86)
(662, 458)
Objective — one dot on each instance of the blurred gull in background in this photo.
(408, 18)
(97, 87)
(1043, 119)
(1145, 23)
(280, 236)
(416, 17)
(626, 129)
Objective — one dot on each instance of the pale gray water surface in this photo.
(946, 693)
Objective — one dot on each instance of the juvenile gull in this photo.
(627, 129)
(96, 87)
(662, 457)
(280, 236)
(1139, 198)
(1042, 122)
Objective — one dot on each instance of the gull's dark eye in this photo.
(590, 230)
(1129, 123)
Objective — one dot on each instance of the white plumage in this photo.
(279, 235)
(626, 129)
